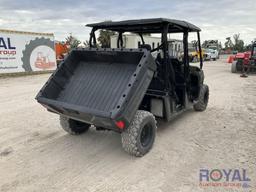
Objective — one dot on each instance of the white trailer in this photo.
(26, 51)
(134, 41)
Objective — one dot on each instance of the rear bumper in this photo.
(94, 117)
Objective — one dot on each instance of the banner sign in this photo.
(26, 52)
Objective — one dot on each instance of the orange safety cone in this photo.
(230, 59)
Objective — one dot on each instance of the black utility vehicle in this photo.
(125, 89)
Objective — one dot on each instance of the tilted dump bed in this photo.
(99, 86)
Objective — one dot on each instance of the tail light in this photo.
(120, 124)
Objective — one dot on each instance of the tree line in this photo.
(237, 44)
(103, 40)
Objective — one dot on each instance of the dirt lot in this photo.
(36, 155)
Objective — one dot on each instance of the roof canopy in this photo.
(154, 25)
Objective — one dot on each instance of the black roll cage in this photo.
(165, 29)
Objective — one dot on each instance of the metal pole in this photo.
(200, 50)
(166, 55)
(142, 39)
(185, 59)
(91, 36)
(120, 40)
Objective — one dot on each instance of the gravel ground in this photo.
(37, 155)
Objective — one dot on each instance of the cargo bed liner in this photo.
(99, 85)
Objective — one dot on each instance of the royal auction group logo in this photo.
(6, 47)
(230, 178)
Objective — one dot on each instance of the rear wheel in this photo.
(139, 137)
(234, 67)
(203, 99)
(72, 126)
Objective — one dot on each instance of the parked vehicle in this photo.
(194, 55)
(126, 90)
(213, 44)
(245, 62)
(211, 54)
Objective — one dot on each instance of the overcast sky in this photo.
(218, 19)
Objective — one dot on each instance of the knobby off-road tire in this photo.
(233, 67)
(139, 137)
(72, 126)
(203, 99)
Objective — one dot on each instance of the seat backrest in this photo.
(176, 64)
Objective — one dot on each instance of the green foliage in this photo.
(205, 43)
(248, 47)
(86, 43)
(72, 41)
(104, 38)
(229, 44)
(220, 45)
(209, 43)
(238, 43)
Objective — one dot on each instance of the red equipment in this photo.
(43, 62)
(231, 59)
(245, 62)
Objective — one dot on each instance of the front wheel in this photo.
(139, 137)
(203, 99)
(72, 126)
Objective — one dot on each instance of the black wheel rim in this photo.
(146, 135)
